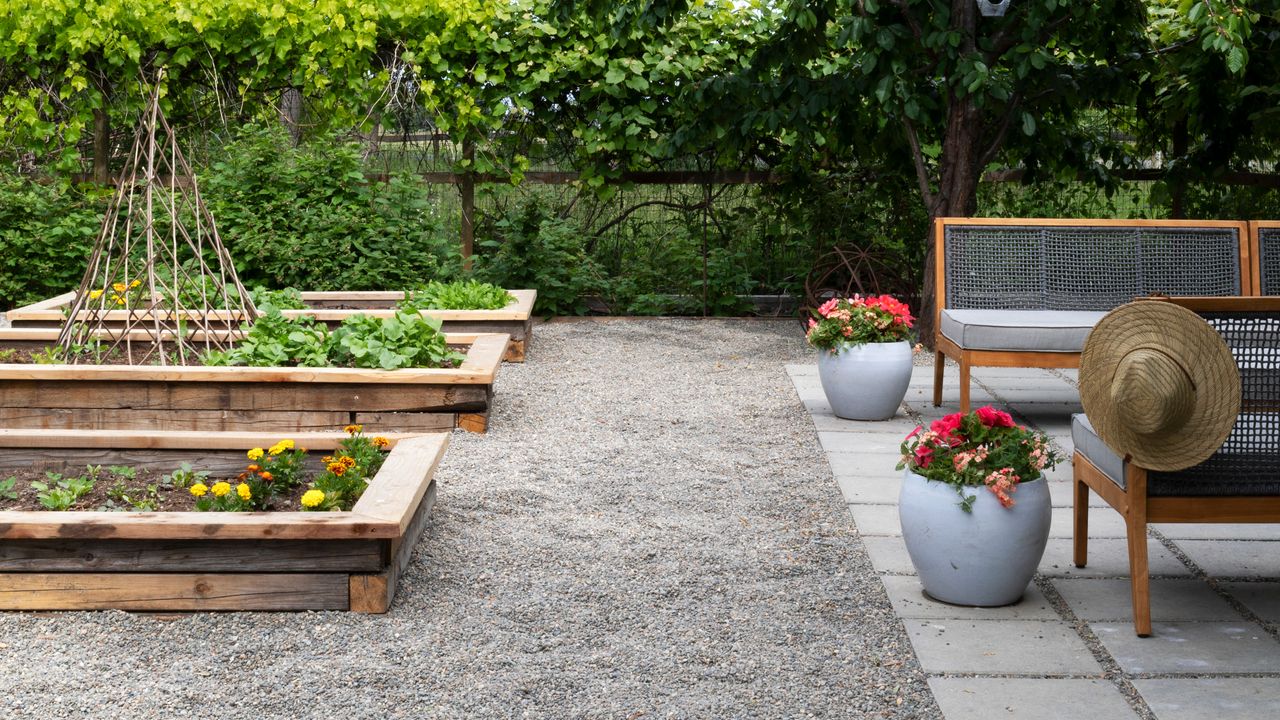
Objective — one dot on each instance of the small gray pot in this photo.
(866, 382)
(985, 558)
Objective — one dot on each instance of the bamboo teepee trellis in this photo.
(158, 264)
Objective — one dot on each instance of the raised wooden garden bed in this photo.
(332, 308)
(210, 560)
(274, 399)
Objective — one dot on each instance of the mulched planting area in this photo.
(648, 530)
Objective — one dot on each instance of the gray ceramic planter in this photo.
(866, 382)
(985, 558)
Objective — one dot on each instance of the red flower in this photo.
(946, 426)
(994, 418)
(924, 456)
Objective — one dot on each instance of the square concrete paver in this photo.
(1191, 648)
(1103, 523)
(1216, 531)
(1029, 699)
(876, 519)
(878, 490)
(1015, 647)
(864, 442)
(1211, 698)
(1234, 558)
(889, 555)
(1108, 557)
(909, 601)
(1262, 598)
(866, 465)
(1103, 599)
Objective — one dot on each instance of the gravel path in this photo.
(649, 530)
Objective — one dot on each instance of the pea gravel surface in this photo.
(649, 530)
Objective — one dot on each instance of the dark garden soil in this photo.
(113, 489)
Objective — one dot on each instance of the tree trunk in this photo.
(955, 196)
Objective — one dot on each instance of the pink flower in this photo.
(924, 456)
(825, 309)
(812, 323)
(1002, 483)
(993, 418)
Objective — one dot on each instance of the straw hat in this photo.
(1159, 385)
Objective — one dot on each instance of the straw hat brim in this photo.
(1132, 359)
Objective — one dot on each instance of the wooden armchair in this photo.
(1239, 483)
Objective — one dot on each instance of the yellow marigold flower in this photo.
(199, 489)
(135, 283)
(380, 441)
(255, 454)
(326, 459)
(220, 488)
(280, 447)
(119, 287)
(119, 300)
(95, 294)
(352, 429)
(243, 491)
(312, 498)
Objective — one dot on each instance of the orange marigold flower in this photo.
(254, 468)
(348, 461)
(265, 475)
(352, 429)
(336, 468)
(326, 459)
(380, 441)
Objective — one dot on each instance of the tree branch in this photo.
(990, 153)
(917, 157)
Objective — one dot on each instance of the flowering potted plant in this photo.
(975, 507)
(864, 354)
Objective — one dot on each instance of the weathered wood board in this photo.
(280, 399)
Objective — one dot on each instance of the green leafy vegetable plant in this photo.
(403, 340)
(63, 492)
(8, 489)
(458, 295)
(276, 341)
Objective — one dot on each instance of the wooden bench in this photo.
(1026, 292)
(1240, 483)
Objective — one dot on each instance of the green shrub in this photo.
(535, 249)
(46, 234)
(306, 217)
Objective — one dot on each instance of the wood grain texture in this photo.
(408, 471)
(171, 439)
(291, 422)
(173, 591)
(192, 556)
(229, 393)
(374, 593)
(407, 423)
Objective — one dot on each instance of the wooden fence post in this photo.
(467, 187)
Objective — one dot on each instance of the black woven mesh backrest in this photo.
(1249, 460)
(1269, 240)
(1085, 268)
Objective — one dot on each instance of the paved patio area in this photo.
(1068, 650)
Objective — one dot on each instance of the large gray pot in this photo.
(985, 558)
(866, 382)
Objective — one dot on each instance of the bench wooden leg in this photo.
(1139, 575)
(939, 362)
(1135, 522)
(964, 385)
(1080, 533)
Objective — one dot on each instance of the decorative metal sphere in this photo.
(993, 9)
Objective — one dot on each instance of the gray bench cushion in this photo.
(1024, 330)
(1088, 443)
(1219, 476)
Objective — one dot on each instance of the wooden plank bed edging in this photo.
(515, 320)
(267, 399)
(182, 561)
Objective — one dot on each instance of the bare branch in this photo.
(917, 157)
